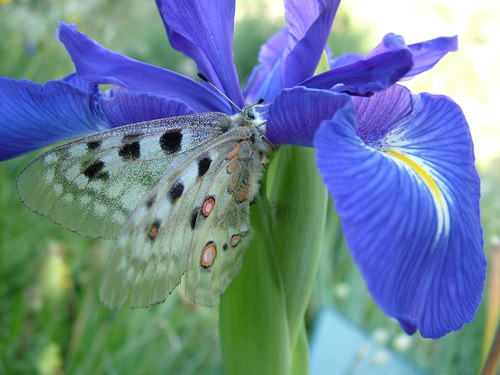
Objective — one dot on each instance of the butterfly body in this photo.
(175, 193)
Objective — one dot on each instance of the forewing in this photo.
(93, 184)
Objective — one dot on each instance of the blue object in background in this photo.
(339, 347)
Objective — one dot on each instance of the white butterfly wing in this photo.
(219, 247)
(197, 229)
(93, 184)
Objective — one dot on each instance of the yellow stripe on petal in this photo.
(442, 212)
(424, 175)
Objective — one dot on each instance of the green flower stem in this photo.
(300, 356)
(262, 312)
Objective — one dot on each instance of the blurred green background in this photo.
(51, 319)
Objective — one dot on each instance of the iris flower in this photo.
(399, 166)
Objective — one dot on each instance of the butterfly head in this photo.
(250, 117)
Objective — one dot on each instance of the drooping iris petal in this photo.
(376, 115)
(34, 116)
(131, 107)
(203, 30)
(99, 65)
(409, 205)
(296, 114)
(427, 54)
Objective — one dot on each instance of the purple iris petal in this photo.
(203, 30)
(80, 83)
(366, 76)
(427, 54)
(409, 205)
(390, 42)
(297, 113)
(376, 115)
(308, 28)
(131, 107)
(99, 65)
(345, 59)
(259, 84)
(424, 55)
(293, 54)
(271, 51)
(34, 116)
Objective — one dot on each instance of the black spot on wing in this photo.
(203, 166)
(95, 171)
(171, 141)
(150, 201)
(130, 151)
(194, 217)
(93, 145)
(176, 191)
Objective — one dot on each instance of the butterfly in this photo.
(174, 192)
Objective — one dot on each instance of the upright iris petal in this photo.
(203, 30)
(407, 193)
(292, 54)
(308, 30)
(427, 54)
(424, 54)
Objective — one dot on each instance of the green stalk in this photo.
(262, 312)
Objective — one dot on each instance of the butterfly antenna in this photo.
(260, 105)
(204, 78)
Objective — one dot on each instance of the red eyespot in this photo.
(235, 240)
(208, 206)
(153, 231)
(208, 255)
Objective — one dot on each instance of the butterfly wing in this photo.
(186, 231)
(219, 247)
(93, 184)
